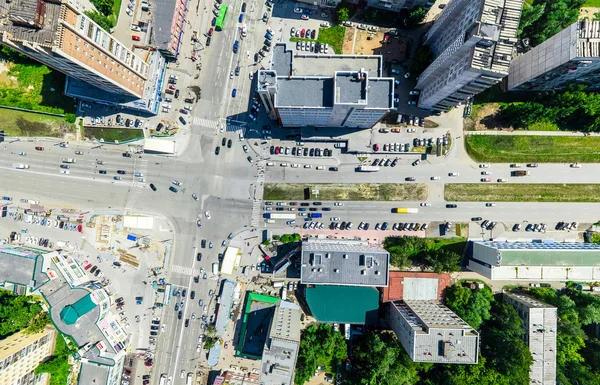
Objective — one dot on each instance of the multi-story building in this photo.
(430, 332)
(570, 57)
(60, 36)
(21, 353)
(281, 347)
(547, 261)
(472, 42)
(398, 5)
(540, 324)
(319, 90)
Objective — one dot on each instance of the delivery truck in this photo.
(279, 216)
(402, 210)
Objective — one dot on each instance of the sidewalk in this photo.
(372, 236)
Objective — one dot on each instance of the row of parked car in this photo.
(298, 151)
(385, 162)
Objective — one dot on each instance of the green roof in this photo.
(71, 313)
(343, 304)
(550, 258)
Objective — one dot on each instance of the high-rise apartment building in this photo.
(570, 57)
(58, 34)
(540, 323)
(472, 42)
(21, 353)
(430, 332)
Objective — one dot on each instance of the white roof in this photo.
(230, 260)
(159, 145)
(135, 222)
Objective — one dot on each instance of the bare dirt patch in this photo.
(371, 43)
(348, 40)
(485, 118)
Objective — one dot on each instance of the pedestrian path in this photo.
(230, 127)
(184, 270)
(258, 194)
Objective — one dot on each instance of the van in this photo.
(215, 268)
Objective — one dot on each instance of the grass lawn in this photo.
(456, 244)
(17, 123)
(592, 3)
(334, 36)
(480, 192)
(112, 134)
(116, 9)
(346, 192)
(530, 148)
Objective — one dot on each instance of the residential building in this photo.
(398, 5)
(59, 35)
(570, 57)
(409, 285)
(21, 353)
(325, 90)
(343, 262)
(472, 42)
(430, 332)
(540, 324)
(541, 261)
(168, 17)
(281, 347)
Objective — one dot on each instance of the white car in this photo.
(435, 178)
(64, 171)
(207, 214)
(338, 204)
(177, 183)
(325, 24)
(304, 17)
(298, 10)
(484, 165)
(245, 148)
(222, 128)
(486, 173)
(136, 28)
(307, 166)
(334, 219)
(425, 204)
(452, 174)
(575, 165)
(195, 197)
(295, 165)
(241, 135)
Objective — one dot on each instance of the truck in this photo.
(215, 268)
(403, 210)
(279, 216)
(68, 160)
(188, 381)
(283, 293)
(367, 168)
(163, 379)
(20, 165)
(277, 284)
(519, 173)
(316, 215)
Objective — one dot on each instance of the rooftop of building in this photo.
(546, 253)
(588, 38)
(304, 92)
(415, 286)
(31, 20)
(22, 266)
(380, 92)
(343, 304)
(93, 373)
(287, 62)
(337, 262)
(350, 88)
(422, 315)
(528, 301)
(225, 301)
(163, 12)
(286, 322)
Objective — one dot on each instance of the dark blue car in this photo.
(241, 18)
(233, 93)
(236, 45)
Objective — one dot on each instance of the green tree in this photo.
(58, 364)
(416, 16)
(289, 238)
(16, 312)
(443, 261)
(530, 15)
(320, 345)
(70, 118)
(556, 16)
(472, 306)
(37, 324)
(102, 20)
(342, 14)
(104, 6)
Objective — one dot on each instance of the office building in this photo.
(168, 17)
(21, 353)
(536, 261)
(570, 57)
(540, 324)
(472, 42)
(325, 90)
(281, 347)
(430, 332)
(343, 262)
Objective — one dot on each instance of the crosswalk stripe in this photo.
(259, 188)
(184, 270)
(230, 127)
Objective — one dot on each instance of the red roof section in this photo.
(395, 289)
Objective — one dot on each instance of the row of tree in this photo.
(569, 110)
(545, 18)
(408, 251)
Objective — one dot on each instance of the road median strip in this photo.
(346, 191)
(521, 192)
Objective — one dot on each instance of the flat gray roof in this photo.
(225, 300)
(21, 266)
(304, 92)
(328, 65)
(335, 262)
(420, 288)
(281, 348)
(93, 373)
(380, 92)
(162, 11)
(282, 59)
(350, 87)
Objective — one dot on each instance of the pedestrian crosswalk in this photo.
(258, 193)
(184, 270)
(229, 126)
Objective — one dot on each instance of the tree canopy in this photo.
(58, 364)
(473, 306)
(437, 254)
(17, 312)
(546, 18)
(320, 346)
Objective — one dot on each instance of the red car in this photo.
(135, 37)
(210, 32)
(148, 363)
(172, 87)
(302, 32)
(40, 148)
(277, 150)
(376, 147)
(87, 267)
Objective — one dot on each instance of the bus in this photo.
(367, 168)
(167, 296)
(221, 18)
